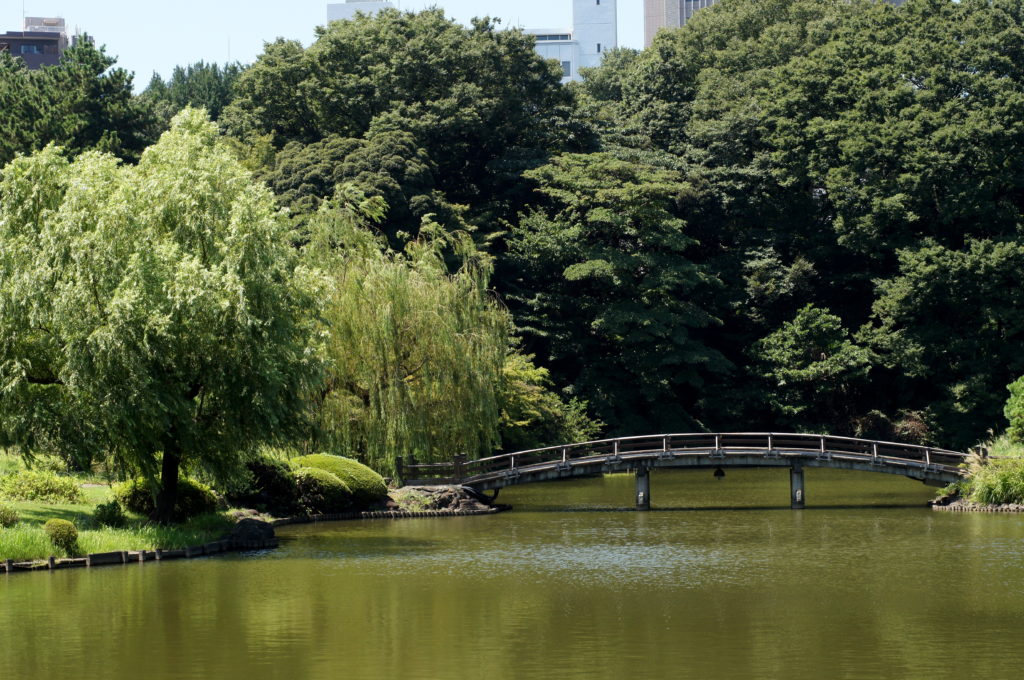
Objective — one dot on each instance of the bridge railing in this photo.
(721, 443)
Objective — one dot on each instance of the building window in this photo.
(567, 69)
(31, 49)
(599, 48)
(553, 36)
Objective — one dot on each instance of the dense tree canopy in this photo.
(154, 312)
(799, 214)
(81, 104)
(465, 108)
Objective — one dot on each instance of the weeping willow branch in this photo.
(415, 351)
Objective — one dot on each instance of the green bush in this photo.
(8, 516)
(271, 487)
(367, 486)
(110, 514)
(321, 492)
(1015, 411)
(194, 498)
(63, 535)
(40, 485)
(998, 482)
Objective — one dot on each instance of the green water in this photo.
(719, 581)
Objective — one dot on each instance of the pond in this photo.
(720, 580)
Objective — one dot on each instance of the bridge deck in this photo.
(710, 450)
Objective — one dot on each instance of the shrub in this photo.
(40, 485)
(63, 535)
(271, 487)
(321, 492)
(110, 514)
(1015, 411)
(8, 516)
(998, 482)
(367, 486)
(193, 498)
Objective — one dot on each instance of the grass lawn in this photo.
(26, 540)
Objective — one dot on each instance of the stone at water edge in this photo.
(251, 531)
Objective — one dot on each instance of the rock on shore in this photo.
(422, 498)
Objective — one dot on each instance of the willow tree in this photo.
(415, 352)
(155, 312)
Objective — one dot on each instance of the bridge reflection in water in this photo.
(640, 455)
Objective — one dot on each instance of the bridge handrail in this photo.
(460, 466)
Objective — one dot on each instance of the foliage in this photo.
(950, 324)
(84, 103)
(608, 286)
(40, 485)
(63, 534)
(813, 367)
(415, 352)
(321, 492)
(110, 514)
(1014, 411)
(29, 542)
(435, 114)
(270, 486)
(8, 517)
(193, 498)
(534, 416)
(155, 312)
(367, 486)
(199, 85)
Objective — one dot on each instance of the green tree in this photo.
(415, 353)
(1014, 410)
(814, 370)
(533, 415)
(199, 85)
(951, 325)
(478, 101)
(608, 289)
(154, 312)
(83, 103)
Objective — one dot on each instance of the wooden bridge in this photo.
(933, 466)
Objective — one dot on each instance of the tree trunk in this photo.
(168, 496)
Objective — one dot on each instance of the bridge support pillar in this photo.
(797, 495)
(643, 488)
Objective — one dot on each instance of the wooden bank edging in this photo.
(120, 557)
(136, 556)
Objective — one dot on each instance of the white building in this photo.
(347, 10)
(594, 31)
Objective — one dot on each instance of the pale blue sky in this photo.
(152, 36)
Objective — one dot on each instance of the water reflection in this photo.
(729, 584)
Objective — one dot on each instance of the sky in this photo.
(149, 37)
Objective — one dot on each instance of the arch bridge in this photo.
(640, 455)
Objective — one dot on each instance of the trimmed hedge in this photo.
(62, 534)
(367, 486)
(193, 498)
(110, 514)
(321, 492)
(40, 485)
(271, 488)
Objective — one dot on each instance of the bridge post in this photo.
(797, 496)
(643, 488)
(458, 467)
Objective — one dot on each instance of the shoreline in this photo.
(254, 535)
